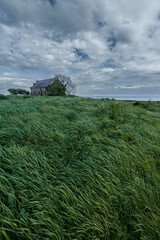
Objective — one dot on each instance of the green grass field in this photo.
(79, 169)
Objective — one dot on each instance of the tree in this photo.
(62, 85)
(12, 91)
(15, 91)
(57, 88)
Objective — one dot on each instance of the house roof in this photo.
(43, 83)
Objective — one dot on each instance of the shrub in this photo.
(137, 103)
(50, 94)
(3, 97)
(20, 91)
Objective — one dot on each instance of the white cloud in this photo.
(117, 42)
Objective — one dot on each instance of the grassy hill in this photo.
(79, 169)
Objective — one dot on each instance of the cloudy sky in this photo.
(107, 47)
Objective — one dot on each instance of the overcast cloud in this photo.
(106, 46)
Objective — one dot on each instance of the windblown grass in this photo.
(77, 169)
(148, 105)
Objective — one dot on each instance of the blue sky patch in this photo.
(110, 63)
(81, 54)
(111, 42)
(52, 2)
(101, 24)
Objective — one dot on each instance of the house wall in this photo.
(38, 91)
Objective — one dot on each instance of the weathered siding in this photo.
(39, 88)
(38, 91)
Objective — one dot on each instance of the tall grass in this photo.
(76, 169)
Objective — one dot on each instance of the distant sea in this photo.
(135, 98)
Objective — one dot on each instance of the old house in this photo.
(40, 87)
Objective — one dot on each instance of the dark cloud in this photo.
(123, 37)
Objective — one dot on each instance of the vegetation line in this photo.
(79, 169)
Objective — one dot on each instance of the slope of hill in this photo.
(75, 168)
